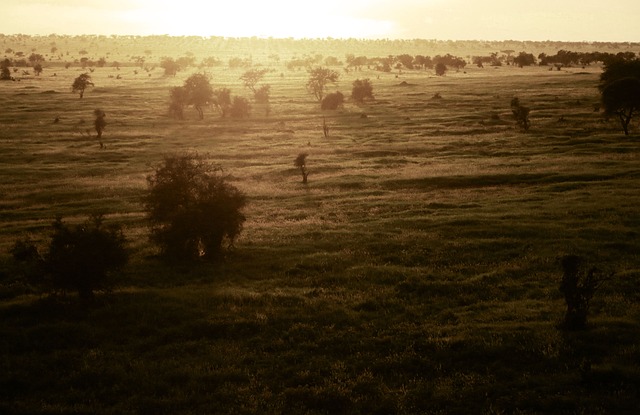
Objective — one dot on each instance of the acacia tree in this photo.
(319, 77)
(198, 92)
(192, 208)
(619, 88)
(251, 77)
(81, 83)
(621, 97)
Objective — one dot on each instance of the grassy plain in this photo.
(417, 272)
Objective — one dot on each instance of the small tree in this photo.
(520, 113)
(192, 208)
(198, 91)
(5, 72)
(441, 69)
(362, 89)
(621, 97)
(578, 288)
(319, 77)
(37, 69)
(332, 101)
(81, 83)
(301, 163)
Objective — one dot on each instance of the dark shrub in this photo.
(332, 101)
(240, 107)
(192, 208)
(82, 257)
(520, 113)
(578, 287)
(362, 89)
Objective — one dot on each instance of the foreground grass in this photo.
(416, 273)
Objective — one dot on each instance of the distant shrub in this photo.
(441, 69)
(261, 94)
(5, 72)
(578, 288)
(170, 66)
(240, 107)
(524, 59)
(332, 101)
(192, 208)
(362, 89)
(80, 258)
(520, 113)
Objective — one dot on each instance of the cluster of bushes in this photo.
(569, 58)
(193, 212)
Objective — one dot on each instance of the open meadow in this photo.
(417, 272)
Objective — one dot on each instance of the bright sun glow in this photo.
(279, 18)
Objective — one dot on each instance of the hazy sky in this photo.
(563, 20)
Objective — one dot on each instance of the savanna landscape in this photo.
(419, 270)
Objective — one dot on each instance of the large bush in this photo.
(80, 258)
(332, 101)
(362, 89)
(192, 207)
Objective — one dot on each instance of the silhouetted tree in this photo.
(81, 83)
(319, 77)
(578, 288)
(192, 208)
(618, 68)
(37, 69)
(621, 97)
(441, 69)
(198, 91)
(362, 89)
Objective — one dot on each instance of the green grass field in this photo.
(416, 273)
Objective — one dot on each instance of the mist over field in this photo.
(217, 225)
